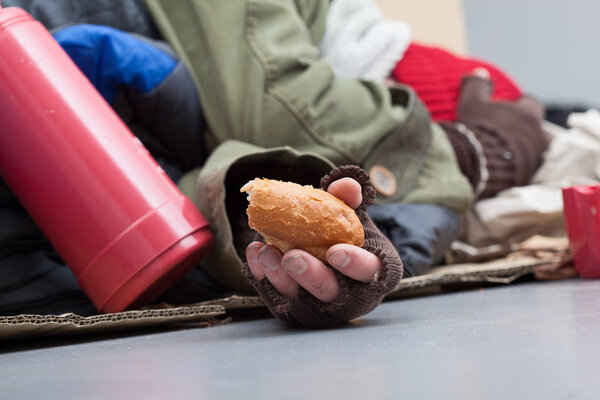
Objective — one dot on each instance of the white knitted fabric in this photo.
(360, 43)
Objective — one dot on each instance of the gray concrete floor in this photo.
(534, 340)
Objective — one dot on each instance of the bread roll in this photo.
(291, 216)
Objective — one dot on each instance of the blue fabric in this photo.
(420, 232)
(110, 58)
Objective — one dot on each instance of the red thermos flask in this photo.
(103, 202)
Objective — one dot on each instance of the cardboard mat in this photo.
(533, 254)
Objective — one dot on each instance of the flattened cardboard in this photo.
(32, 325)
(531, 254)
(504, 270)
(535, 252)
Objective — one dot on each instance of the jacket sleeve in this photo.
(356, 298)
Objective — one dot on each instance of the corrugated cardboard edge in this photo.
(236, 302)
(32, 325)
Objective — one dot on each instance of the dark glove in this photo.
(498, 144)
(355, 298)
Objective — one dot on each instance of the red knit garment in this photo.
(436, 74)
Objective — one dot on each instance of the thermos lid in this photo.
(148, 257)
(12, 15)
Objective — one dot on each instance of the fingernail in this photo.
(271, 259)
(295, 265)
(339, 259)
(253, 253)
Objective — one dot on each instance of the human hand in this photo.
(297, 268)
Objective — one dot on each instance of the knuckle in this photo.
(320, 283)
(324, 288)
(284, 284)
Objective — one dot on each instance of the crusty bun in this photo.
(291, 216)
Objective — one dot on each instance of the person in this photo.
(266, 91)
(274, 108)
(265, 83)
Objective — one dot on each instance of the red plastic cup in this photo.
(110, 211)
(581, 205)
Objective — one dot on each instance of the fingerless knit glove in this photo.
(355, 298)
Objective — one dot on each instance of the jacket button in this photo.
(383, 180)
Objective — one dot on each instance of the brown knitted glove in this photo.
(498, 144)
(356, 298)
